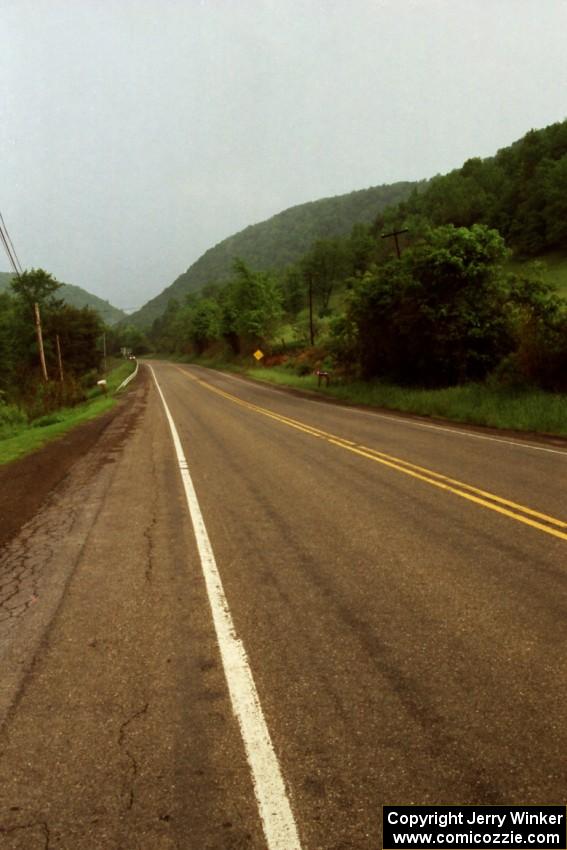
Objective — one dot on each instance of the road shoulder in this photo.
(26, 483)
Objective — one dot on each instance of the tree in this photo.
(322, 267)
(163, 331)
(539, 320)
(8, 343)
(360, 250)
(204, 324)
(36, 286)
(439, 315)
(293, 288)
(555, 212)
(32, 287)
(133, 338)
(228, 303)
(254, 303)
(79, 332)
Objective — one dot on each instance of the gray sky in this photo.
(135, 134)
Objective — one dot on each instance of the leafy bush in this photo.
(436, 317)
(41, 399)
(12, 418)
(48, 419)
(541, 357)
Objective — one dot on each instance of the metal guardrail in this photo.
(128, 379)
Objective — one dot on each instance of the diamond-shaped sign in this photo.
(258, 355)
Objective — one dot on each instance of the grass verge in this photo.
(475, 404)
(27, 437)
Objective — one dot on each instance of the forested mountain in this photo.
(77, 297)
(521, 192)
(278, 241)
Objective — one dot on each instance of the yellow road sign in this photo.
(258, 355)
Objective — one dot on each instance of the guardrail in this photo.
(128, 379)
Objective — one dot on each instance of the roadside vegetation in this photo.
(19, 436)
(478, 404)
(277, 242)
(463, 316)
(34, 409)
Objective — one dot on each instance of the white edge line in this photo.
(275, 811)
(456, 432)
(129, 378)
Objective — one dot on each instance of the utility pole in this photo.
(59, 358)
(395, 234)
(40, 341)
(311, 331)
(104, 351)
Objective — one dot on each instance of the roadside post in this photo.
(59, 357)
(40, 341)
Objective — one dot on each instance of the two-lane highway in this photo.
(407, 638)
(398, 591)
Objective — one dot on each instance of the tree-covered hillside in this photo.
(279, 241)
(521, 192)
(77, 297)
(450, 305)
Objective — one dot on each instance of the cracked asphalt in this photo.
(408, 646)
(117, 730)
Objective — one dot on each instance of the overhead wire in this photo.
(9, 248)
(11, 244)
(8, 252)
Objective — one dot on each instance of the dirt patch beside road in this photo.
(25, 483)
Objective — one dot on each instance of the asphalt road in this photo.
(399, 590)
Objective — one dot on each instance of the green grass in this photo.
(478, 404)
(26, 438)
(554, 269)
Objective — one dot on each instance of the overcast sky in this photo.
(135, 134)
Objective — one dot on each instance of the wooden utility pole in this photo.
(59, 358)
(40, 341)
(395, 234)
(311, 331)
(104, 351)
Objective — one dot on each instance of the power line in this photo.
(9, 247)
(11, 244)
(8, 252)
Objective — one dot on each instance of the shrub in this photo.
(12, 418)
(41, 399)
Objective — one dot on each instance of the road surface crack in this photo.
(25, 563)
(150, 557)
(130, 780)
(148, 531)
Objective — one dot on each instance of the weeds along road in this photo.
(368, 611)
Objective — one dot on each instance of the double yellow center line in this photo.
(513, 510)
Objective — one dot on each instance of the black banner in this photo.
(479, 827)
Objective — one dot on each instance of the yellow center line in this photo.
(466, 491)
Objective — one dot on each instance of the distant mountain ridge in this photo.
(278, 241)
(77, 297)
